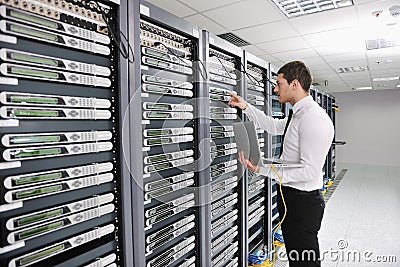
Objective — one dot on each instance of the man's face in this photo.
(282, 89)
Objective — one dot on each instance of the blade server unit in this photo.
(60, 201)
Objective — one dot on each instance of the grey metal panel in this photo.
(269, 181)
(244, 185)
(124, 133)
(203, 112)
(133, 120)
(171, 20)
(256, 60)
(225, 45)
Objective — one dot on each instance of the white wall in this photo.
(370, 124)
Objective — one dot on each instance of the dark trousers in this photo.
(301, 225)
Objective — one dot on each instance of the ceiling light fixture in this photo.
(364, 88)
(351, 69)
(385, 79)
(295, 8)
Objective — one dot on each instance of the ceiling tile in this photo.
(283, 45)
(296, 54)
(355, 75)
(250, 12)
(270, 58)
(385, 52)
(339, 89)
(317, 67)
(328, 77)
(270, 31)
(253, 49)
(206, 24)
(174, 7)
(348, 58)
(307, 24)
(384, 63)
(314, 61)
(385, 73)
(350, 63)
(344, 37)
(204, 5)
(358, 2)
(340, 48)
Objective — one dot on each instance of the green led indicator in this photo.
(216, 135)
(216, 91)
(217, 129)
(33, 19)
(35, 73)
(33, 59)
(34, 113)
(31, 99)
(157, 63)
(34, 139)
(33, 33)
(157, 132)
(154, 115)
(39, 255)
(159, 167)
(156, 54)
(215, 97)
(160, 192)
(157, 80)
(158, 106)
(38, 191)
(39, 217)
(38, 178)
(156, 89)
(41, 229)
(37, 152)
(159, 141)
(158, 158)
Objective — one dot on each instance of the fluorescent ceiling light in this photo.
(351, 69)
(385, 79)
(294, 8)
(364, 88)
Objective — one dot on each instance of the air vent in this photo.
(381, 43)
(234, 39)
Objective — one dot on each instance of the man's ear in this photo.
(295, 84)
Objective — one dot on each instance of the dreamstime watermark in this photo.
(339, 254)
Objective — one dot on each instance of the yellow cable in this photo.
(284, 214)
(268, 263)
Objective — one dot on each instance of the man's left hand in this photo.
(247, 163)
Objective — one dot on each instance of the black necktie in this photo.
(284, 132)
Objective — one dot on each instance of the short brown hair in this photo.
(297, 70)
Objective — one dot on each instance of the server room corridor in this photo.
(361, 221)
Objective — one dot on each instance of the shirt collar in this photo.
(301, 103)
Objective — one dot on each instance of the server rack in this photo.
(168, 81)
(259, 205)
(62, 167)
(279, 111)
(227, 185)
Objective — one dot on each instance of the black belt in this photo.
(300, 192)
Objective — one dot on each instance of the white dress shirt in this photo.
(307, 140)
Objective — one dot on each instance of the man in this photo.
(307, 139)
